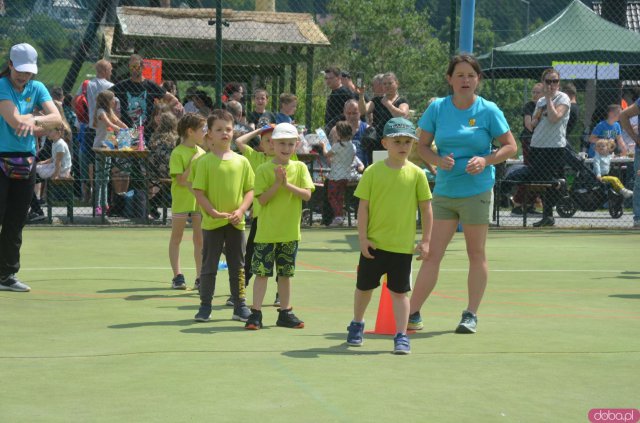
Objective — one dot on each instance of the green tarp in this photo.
(575, 34)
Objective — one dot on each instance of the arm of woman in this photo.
(507, 149)
(555, 113)
(622, 146)
(26, 124)
(364, 107)
(428, 155)
(56, 170)
(625, 121)
(401, 111)
(528, 122)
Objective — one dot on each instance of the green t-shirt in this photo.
(182, 200)
(280, 217)
(192, 177)
(224, 182)
(256, 158)
(393, 196)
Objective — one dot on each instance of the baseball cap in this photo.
(24, 58)
(267, 128)
(399, 127)
(284, 131)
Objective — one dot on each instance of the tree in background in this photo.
(379, 36)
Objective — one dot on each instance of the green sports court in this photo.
(102, 338)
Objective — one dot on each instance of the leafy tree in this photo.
(376, 36)
(54, 40)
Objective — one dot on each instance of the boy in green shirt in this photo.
(282, 185)
(223, 187)
(390, 193)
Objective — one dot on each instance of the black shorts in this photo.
(397, 266)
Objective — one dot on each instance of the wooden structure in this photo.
(258, 47)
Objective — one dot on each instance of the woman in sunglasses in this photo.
(549, 138)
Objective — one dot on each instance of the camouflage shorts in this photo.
(283, 254)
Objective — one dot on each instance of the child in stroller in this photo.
(592, 187)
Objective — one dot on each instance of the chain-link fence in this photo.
(270, 48)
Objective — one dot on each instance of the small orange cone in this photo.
(386, 321)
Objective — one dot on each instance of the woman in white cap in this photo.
(26, 109)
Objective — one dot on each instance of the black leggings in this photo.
(547, 164)
(15, 198)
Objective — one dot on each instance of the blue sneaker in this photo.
(356, 333)
(241, 312)
(203, 314)
(468, 323)
(415, 321)
(401, 344)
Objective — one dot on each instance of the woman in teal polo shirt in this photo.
(20, 97)
(463, 126)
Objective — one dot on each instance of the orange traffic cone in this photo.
(385, 322)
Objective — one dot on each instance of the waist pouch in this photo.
(17, 167)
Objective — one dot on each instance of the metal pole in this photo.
(525, 94)
(467, 11)
(309, 94)
(218, 54)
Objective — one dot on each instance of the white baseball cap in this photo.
(24, 58)
(284, 131)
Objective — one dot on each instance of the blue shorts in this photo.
(283, 254)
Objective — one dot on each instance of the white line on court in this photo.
(49, 269)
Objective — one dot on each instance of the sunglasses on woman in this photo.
(551, 81)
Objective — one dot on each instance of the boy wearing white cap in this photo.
(390, 192)
(281, 185)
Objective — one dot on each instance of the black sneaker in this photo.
(11, 283)
(241, 312)
(196, 286)
(203, 314)
(254, 322)
(287, 319)
(468, 323)
(276, 302)
(230, 301)
(531, 211)
(517, 211)
(36, 217)
(178, 282)
(546, 221)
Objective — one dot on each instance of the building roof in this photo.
(246, 27)
(633, 14)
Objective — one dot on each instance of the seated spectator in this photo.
(608, 129)
(203, 103)
(161, 144)
(288, 106)
(358, 128)
(233, 91)
(260, 116)
(240, 126)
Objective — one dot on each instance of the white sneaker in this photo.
(11, 283)
(337, 221)
(626, 193)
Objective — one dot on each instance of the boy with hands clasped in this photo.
(281, 185)
(390, 192)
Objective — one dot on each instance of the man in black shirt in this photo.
(137, 95)
(339, 95)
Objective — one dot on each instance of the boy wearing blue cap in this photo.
(387, 232)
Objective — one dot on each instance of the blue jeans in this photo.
(636, 186)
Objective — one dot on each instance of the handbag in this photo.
(17, 167)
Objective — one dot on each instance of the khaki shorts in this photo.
(473, 210)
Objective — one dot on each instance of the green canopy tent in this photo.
(575, 34)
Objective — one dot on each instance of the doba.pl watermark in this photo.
(614, 415)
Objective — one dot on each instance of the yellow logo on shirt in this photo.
(472, 122)
(28, 100)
